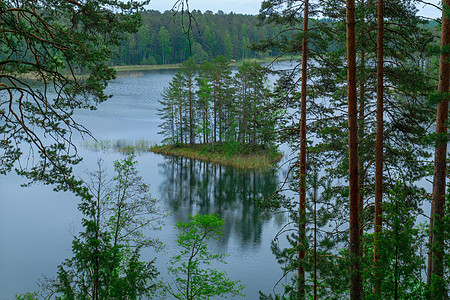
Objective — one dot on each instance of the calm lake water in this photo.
(37, 225)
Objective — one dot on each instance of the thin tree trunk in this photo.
(435, 262)
(244, 116)
(96, 289)
(316, 187)
(379, 149)
(355, 274)
(215, 114)
(191, 116)
(172, 121)
(220, 111)
(361, 136)
(181, 117)
(302, 191)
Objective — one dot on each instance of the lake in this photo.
(37, 224)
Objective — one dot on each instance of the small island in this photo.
(213, 114)
(257, 159)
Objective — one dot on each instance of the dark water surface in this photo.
(37, 224)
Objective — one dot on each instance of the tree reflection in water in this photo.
(197, 187)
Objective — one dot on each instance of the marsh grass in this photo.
(120, 145)
(260, 159)
(256, 159)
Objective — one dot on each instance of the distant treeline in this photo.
(171, 38)
(164, 39)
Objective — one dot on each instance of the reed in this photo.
(120, 145)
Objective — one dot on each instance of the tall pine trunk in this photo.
(191, 116)
(379, 149)
(355, 272)
(435, 255)
(361, 136)
(302, 190)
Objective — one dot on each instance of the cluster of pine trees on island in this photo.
(206, 104)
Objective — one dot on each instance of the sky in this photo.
(251, 6)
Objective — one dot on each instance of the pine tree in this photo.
(435, 256)
(405, 109)
(188, 71)
(171, 112)
(221, 93)
(165, 45)
(379, 144)
(205, 98)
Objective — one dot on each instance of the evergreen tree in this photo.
(436, 257)
(205, 97)
(209, 31)
(188, 71)
(228, 44)
(164, 44)
(207, 107)
(401, 247)
(211, 42)
(406, 110)
(222, 93)
(172, 105)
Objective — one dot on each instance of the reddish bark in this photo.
(435, 263)
(302, 204)
(355, 270)
(379, 147)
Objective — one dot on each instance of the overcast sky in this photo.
(248, 6)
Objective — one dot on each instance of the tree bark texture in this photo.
(302, 190)
(435, 263)
(355, 274)
(379, 148)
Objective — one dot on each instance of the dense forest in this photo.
(163, 38)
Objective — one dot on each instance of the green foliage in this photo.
(190, 279)
(230, 148)
(105, 262)
(440, 285)
(28, 296)
(321, 245)
(216, 108)
(408, 79)
(164, 39)
(66, 46)
(402, 247)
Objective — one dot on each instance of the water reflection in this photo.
(196, 187)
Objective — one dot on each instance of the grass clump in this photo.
(243, 156)
(238, 156)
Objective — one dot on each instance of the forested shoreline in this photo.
(164, 39)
